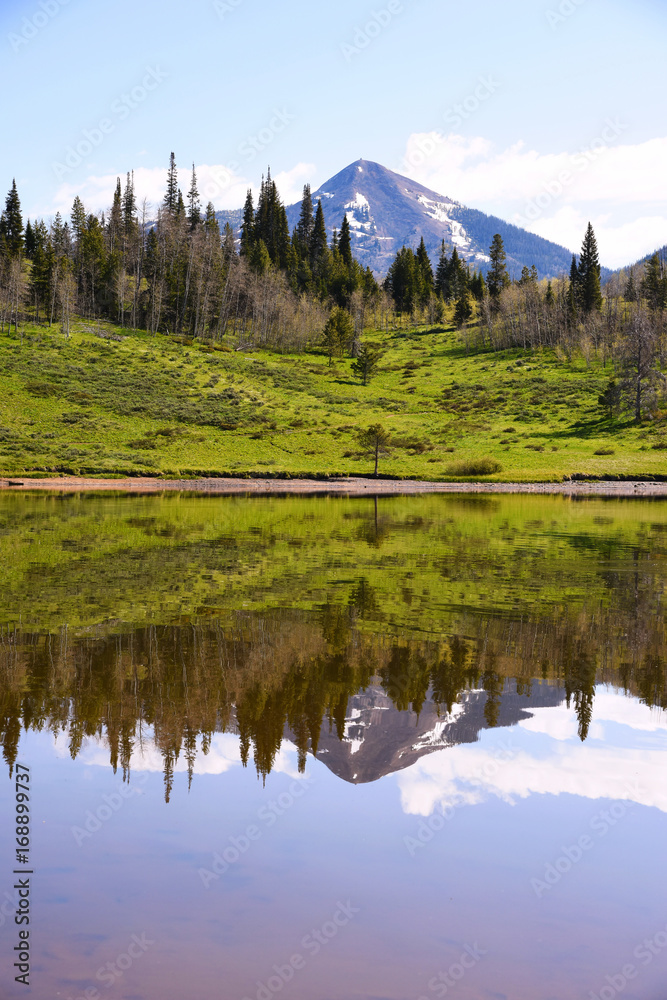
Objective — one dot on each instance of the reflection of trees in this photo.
(262, 675)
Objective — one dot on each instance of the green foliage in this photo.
(366, 363)
(497, 277)
(375, 440)
(589, 293)
(338, 333)
(474, 467)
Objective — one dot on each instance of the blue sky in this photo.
(233, 85)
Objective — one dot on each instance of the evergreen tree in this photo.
(345, 243)
(338, 333)
(477, 286)
(654, 284)
(497, 278)
(13, 223)
(442, 274)
(194, 205)
(78, 218)
(29, 241)
(402, 281)
(366, 363)
(248, 225)
(463, 311)
(574, 289)
(425, 273)
(304, 228)
(318, 238)
(115, 225)
(549, 297)
(129, 207)
(589, 273)
(170, 201)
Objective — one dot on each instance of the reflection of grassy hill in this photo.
(192, 613)
(141, 404)
(82, 561)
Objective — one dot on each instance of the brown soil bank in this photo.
(351, 486)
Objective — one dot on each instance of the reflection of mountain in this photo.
(380, 739)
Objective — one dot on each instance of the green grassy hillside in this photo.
(109, 401)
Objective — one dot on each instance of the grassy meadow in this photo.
(108, 401)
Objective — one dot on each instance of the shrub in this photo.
(604, 451)
(474, 467)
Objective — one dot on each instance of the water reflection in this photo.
(434, 619)
(439, 697)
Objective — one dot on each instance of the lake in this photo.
(333, 748)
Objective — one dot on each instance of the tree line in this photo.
(179, 273)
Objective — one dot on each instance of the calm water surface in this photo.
(336, 749)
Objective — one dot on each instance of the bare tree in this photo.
(640, 359)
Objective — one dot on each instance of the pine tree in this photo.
(248, 226)
(194, 206)
(29, 241)
(458, 275)
(654, 284)
(549, 297)
(630, 292)
(402, 281)
(574, 289)
(170, 201)
(338, 333)
(366, 362)
(478, 286)
(589, 273)
(318, 238)
(497, 278)
(345, 242)
(129, 207)
(425, 273)
(304, 228)
(442, 274)
(13, 223)
(115, 225)
(463, 311)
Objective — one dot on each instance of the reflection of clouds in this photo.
(223, 755)
(561, 764)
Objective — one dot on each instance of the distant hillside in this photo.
(661, 251)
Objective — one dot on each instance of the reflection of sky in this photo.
(471, 883)
(623, 758)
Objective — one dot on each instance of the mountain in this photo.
(387, 211)
(379, 739)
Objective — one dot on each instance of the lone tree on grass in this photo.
(366, 363)
(375, 441)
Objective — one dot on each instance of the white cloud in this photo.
(593, 770)
(621, 187)
(216, 183)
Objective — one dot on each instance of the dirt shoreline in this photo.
(347, 486)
